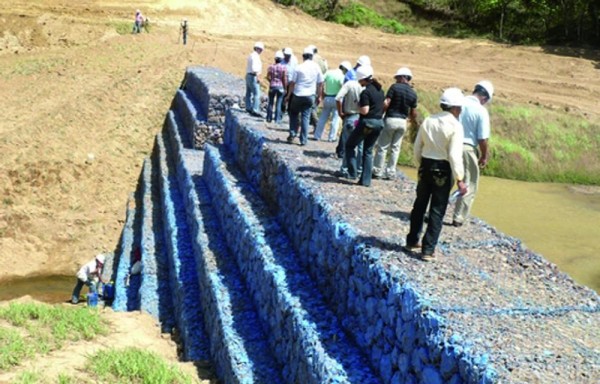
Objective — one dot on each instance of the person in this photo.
(438, 155)
(305, 87)
(362, 60)
(475, 120)
(322, 63)
(290, 61)
(138, 22)
(136, 265)
(332, 83)
(348, 105)
(90, 274)
(277, 77)
(253, 71)
(184, 30)
(400, 104)
(370, 124)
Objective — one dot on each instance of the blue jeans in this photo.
(368, 136)
(435, 183)
(300, 107)
(329, 109)
(275, 93)
(349, 124)
(252, 94)
(77, 290)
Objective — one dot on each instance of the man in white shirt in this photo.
(348, 105)
(306, 87)
(89, 275)
(253, 71)
(438, 154)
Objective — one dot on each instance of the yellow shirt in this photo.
(440, 137)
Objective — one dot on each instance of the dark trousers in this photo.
(435, 183)
(368, 136)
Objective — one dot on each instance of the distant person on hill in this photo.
(400, 106)
(438, 156)
(253, 71)
(277, 77)
(306, 88)
(138, 22)
(90, 274)
(334, 78)
(475, 120)
(369, 126)
(184, 30)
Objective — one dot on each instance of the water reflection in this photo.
(559, 221)
(49, 289)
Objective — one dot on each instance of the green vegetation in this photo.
(530, 143)
(40, 328)
(121, 27)
(28, 377)
(132, 365)
(356, 14)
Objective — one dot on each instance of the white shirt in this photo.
(306, 77)
(440, 137)
(254, 64)
(350, 94)
(88, 271)
(475, 120)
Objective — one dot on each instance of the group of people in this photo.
(450, 147)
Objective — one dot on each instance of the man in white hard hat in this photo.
(253, 71)
(362, 60)
(291, 62)
(475, 120)
(333, 81)
(306, 88)
(348, 106)
(438, 155)
(277, 77)
(90, 274)
(400, 106)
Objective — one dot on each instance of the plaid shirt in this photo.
(277, 73)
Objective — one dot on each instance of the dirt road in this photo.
(81, 103)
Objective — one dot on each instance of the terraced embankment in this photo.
(277, 271)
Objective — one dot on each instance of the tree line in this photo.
(572, 22)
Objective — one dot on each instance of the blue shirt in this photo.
(350, 75)
(475, 120)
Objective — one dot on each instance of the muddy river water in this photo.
(559, 221)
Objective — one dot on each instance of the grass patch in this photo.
(121, 27)
(28, 377)
(355, 15)
(44, 328)
(132, 365)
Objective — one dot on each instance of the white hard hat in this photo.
(364, 60)
(100, 258)
(364, 72)
(346, 64)
(259, 45)
(404, 71)
(487, 86)
(313, 48)
(308, 51)
(452, 97)
(288, 51)
(137, 11)
(279, 55)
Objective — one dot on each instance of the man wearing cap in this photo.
(89, 275)
(306, 88)
(348, 106)
(277, 77)
(400, 104)
(475, 120)
(438, 156)
(290, 62)
(253, 71)
(334, 78)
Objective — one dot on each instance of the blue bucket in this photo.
(92, 299)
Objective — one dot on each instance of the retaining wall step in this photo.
(239, 345)
(155, 291)
(182, 265)
(303, 332)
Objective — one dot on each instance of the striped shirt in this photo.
(277, 73)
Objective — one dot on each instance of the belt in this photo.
(251, 73)
(331, 95)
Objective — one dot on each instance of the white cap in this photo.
(346, 64)
(487, 86)
(364, 60)
(288, 51)
(404, 71)
(100, 258)
(364, 72)
(259, 45)
(452, 97)
(279, 55)
(308, 51)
